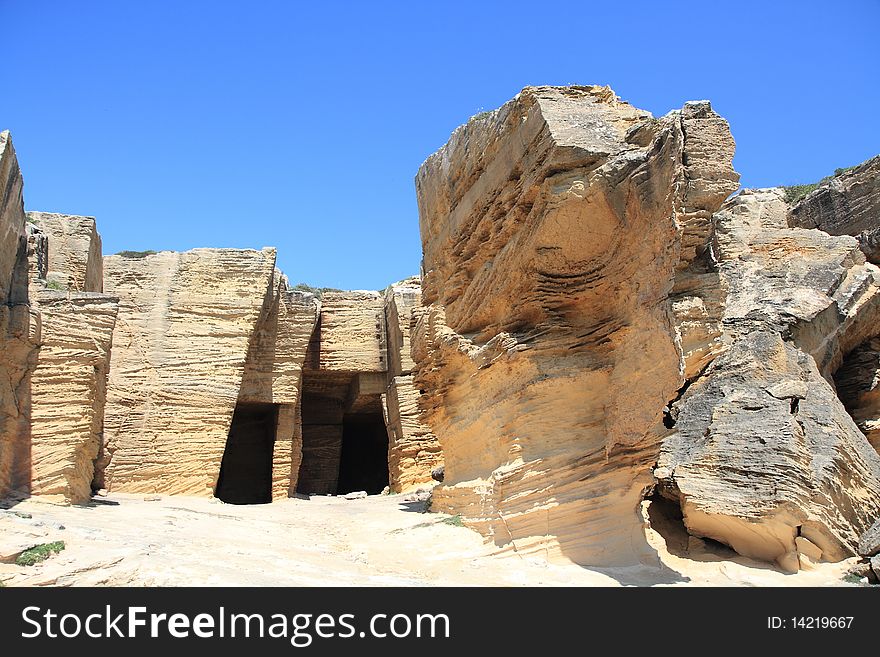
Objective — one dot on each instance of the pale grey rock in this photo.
(761, 451)
(847, 204)
(869, 541)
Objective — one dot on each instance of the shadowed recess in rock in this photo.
(363, 463)
(246, 470)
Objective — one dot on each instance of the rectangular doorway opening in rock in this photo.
(246, 469)
(363, 464)
(344, 439)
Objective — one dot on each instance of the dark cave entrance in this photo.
(246, 469)
(344, 439)
(363, 464)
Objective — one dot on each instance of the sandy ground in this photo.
(383, 540)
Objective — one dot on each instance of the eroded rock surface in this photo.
(847, 204)
(69, 392)
(413, 450)
(185, 326)
(565, 239)
(762, 450)
(74, 251)
(19, 330)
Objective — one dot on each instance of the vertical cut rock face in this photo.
(74, 253)
(68, 387)
(413, 450)
(344, 377)
(763, 455)
(273, 374)
(186, 324)
(565, 240)
(19, 330)
(847, 204)
(69, 392)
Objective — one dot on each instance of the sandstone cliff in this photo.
(68, 386)
(69, 391)
(186, 325)
(19, 330)
(74, 251)
(413, 450)
(564, 238)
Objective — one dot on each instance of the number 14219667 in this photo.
(809, 622)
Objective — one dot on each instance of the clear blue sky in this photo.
(301, 125)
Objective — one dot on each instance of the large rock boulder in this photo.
(568, 290)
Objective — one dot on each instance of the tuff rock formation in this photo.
(846, 204)
(568, 290)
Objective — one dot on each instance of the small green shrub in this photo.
(54, 285)
(852, 578)
(795, 193)
(136, 254)
(455, 521)
(39, 553)
(317, 291)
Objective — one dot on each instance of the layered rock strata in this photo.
(19, 330)
(74, 259)
(413, 450)
(762, 454)
(344, 378)
(846, 204)
(565, 239)
(69, 392)
(194, 335)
